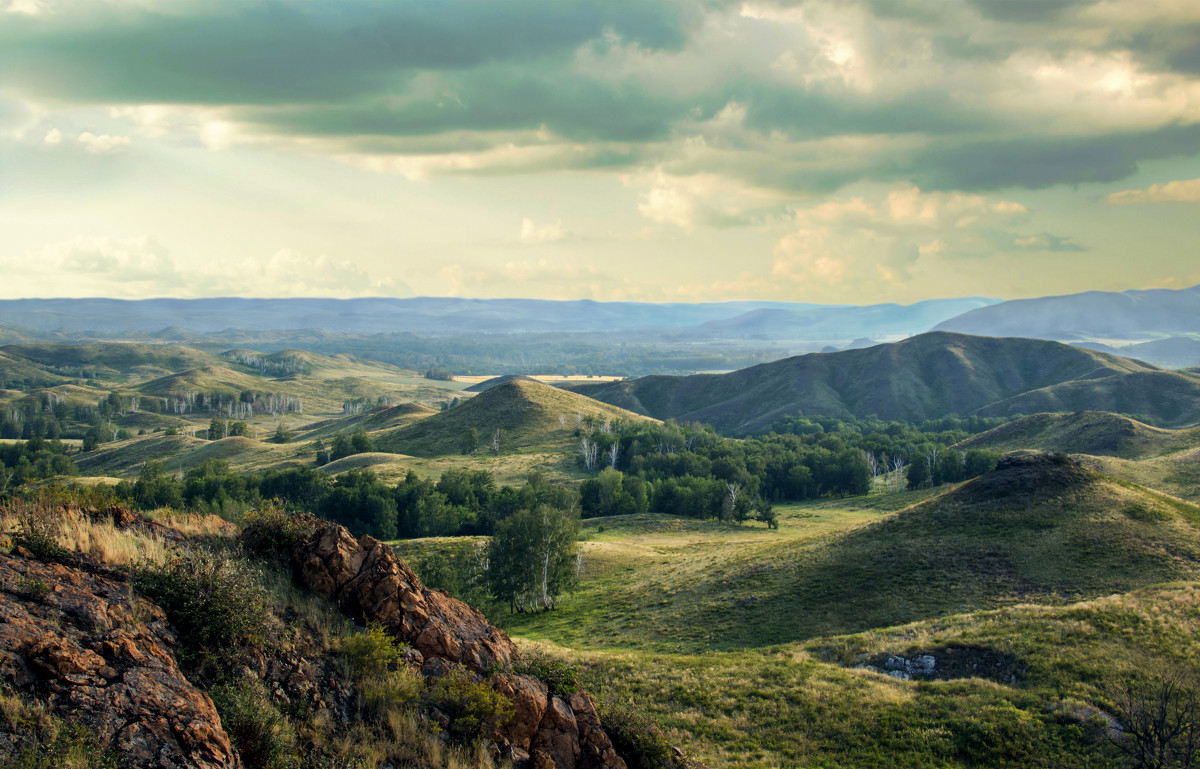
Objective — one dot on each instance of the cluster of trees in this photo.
(275, 365)
(462, 502)
(343, 445)
(32, 460)
(690, 470)
(937, 466)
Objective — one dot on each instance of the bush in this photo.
(637, 738)
(38, 527)
(217, 603)
(556, 674)
(474, 708)
(261, 734)
(273, 533)
(373, 652)
(63, 745)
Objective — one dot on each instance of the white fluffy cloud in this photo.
(1183, 191)
(885, 237)
(532, 234)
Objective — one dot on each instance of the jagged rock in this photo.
(370, 583)
(529, 697)
(557, 739)
(595, 748)
(90, 649)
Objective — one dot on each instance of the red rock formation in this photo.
(92, 650)
(369, 582)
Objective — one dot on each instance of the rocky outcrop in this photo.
(90, 649)
(370, 583)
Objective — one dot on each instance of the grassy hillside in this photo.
(113, 361)
(1032, 530)
(1166, 398)
(1086, 432)
(527, 413)
(19, 373)
(924, 377)
(382, 419)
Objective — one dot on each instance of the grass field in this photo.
(748, 643)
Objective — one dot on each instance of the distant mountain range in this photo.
(440, 316)
(1159, 326)
(1092, 315)
(924, 377)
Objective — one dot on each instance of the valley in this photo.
(757, 580)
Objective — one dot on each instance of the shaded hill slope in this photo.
(112, 360)
(1035, 528)
(925, 377)
(1165, 398)
(1086, 432)
(527, 413)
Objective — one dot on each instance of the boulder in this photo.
(90, 649)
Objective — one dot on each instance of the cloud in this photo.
(101, 144)
(141, 266)
(968, 95)
(888, 236)
(531, 234)
(1182, 191)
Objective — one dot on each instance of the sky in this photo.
(854, 151)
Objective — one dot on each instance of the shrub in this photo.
(555, 673)
(637, 738)
(38, 528)
(383, 695)
(474, 708)
(262, 735)
(373, 652)
(217, 603)
(273, 533)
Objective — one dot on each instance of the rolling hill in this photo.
(112, 360)
(1038, 528)
(527, 413)
(924, 377)
(1087, 432)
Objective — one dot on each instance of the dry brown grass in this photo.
(73, 530)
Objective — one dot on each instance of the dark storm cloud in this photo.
(270, 52)
(466, 76)
(1036, 163)
(1027, 11)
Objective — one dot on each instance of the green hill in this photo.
(529, 414)
(1166, 398)
(372, 421)
(924, 377)
(208, 379)
(124, 361)
(16, 373)
(1036, 529)
(1084, 432)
